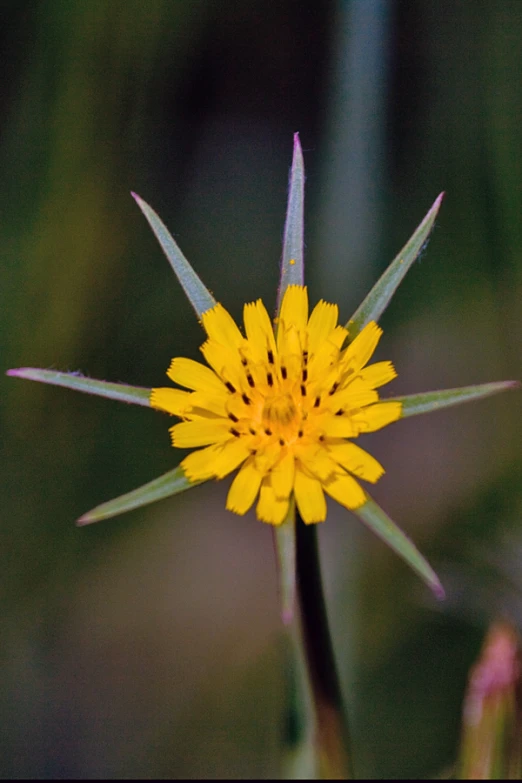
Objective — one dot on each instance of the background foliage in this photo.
(148, 645)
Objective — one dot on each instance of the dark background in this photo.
(149, 645)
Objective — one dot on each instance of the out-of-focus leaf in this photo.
(292, 262)
(197, 293)
(170, 483)
(380, 523)
(413, 404)
(114, 391)
(380, 296)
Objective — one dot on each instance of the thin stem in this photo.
(331, 731)
(300, 749)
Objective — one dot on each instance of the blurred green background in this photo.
(149, 645)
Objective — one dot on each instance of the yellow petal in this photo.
(309, 497)
(378, 374)
(267, 456)
(225, 362)
(200, 432)
(290, 347)
(338, 336)
(360, 351)
(199, 465)
(339, 426)
(238, 409)
(375, 417)
(259, 331)
(321, 364)
(317, 461)
(321, 324)
(220, 326)
(193, 375)
(351, 398)
(293, 366)
(346, 491)
(356, 460)
(243, 490)
(173, 401)
(283, 476)
(270, 508)
(203, 404)
(294, 307)
(231, 454)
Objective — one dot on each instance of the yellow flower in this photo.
(282, 406)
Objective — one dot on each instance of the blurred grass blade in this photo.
(379, 297)
(491, 742)
(414, 404)
(285, 549)
(379, 522)
(292, 262)
(197, 293)
(170, 483)
(113, 391)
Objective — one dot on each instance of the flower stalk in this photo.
(331, 735)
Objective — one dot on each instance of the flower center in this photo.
(279, 410)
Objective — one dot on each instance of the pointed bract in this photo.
(197, 293)
(171, 483)
(292, 262)
(414, 404)
(380, 523)
(292, 273)
(136, 395)
(380, 296)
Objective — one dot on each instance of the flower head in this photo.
(281, 403)
(284, 407)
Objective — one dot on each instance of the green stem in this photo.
(299, 756)
(331, 731)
